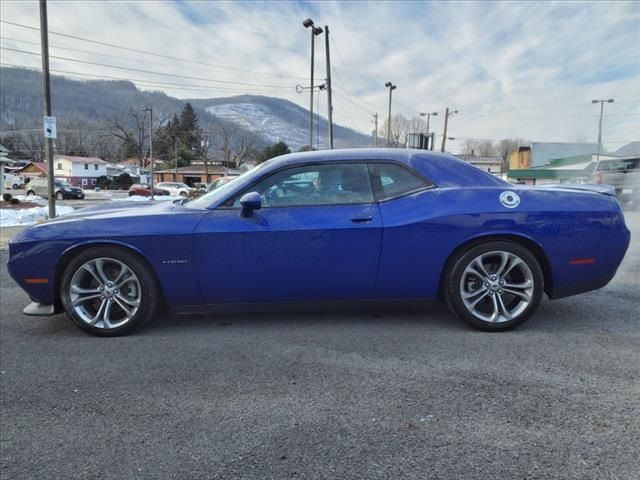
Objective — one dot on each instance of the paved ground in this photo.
(353, 395)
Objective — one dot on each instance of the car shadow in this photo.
(437, 317)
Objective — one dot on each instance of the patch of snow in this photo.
(29, 216)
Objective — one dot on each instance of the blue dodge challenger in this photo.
(342, 227)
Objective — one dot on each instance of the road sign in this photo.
(50, 127)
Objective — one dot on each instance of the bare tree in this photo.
(478, 146)
(236, 144)
(401, 128)
(134, 137)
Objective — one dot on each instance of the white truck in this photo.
(12, 181)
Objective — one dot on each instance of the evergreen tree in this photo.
(274, 150)
(189, 128)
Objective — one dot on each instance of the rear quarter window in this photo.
(392, 180)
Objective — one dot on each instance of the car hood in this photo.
(116, 220)
(117, 210)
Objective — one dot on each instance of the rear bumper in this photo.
(575, 289)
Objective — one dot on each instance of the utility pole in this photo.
(329, 86)
(206, 162)
(601, 102)
(375, 132)
(308, 23)
(391, 87)
(175, 158)
(311, 91)
(150, 110)
(151, 147)
(46, 85)
(447, 114)
(446, 122)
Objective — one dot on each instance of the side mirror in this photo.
(250, 202)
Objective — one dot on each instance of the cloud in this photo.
(524, 69)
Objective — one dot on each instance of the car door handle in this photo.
(361, 219)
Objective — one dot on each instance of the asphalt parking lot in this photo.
(353, 395)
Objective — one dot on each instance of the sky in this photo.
(510, 69)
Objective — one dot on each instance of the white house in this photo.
(79, 171)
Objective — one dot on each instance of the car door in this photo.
(316, 237)
(409, 262)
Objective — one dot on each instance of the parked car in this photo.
(396, 226)
(144, 190)
(175, 188)
(623, 174)
(62, 189)
(200, 188)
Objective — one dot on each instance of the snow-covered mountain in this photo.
(277, 120)
(258, 118)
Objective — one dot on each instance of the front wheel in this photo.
(108, 291)
(59, 196)
(494, 286)
(15, 186)
(30, 193)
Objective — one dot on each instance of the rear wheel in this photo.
(30, 192)
(15, 186)
(494, 286)
(108, 291)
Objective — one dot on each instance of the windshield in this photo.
(214, 196)
(62, 184)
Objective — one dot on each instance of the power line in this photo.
(145, 52)
(119, 57)
(139, 69)
(149, 82)
(515, 115)
(547, 141)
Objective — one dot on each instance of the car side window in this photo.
(392, 180)
(332, 184)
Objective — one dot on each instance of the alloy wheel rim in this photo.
(105, 293)
(497, 286)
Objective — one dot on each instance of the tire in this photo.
(139, 292)
(183, 194)
(59, 196)
(480, 299)
(30, 192)
(15, 186)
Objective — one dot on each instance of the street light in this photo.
(308, 23)
(391, 87)
(447, 114)
(601, 102)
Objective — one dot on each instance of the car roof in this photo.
(443, 169)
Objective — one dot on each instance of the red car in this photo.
(144, 189)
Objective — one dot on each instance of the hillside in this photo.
(95, 104)
(275, 119)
